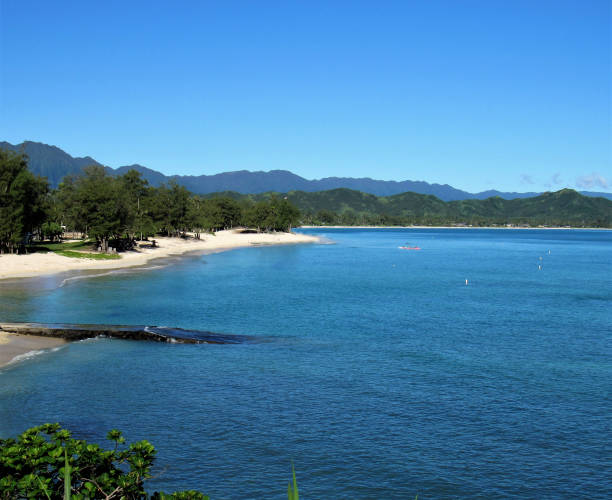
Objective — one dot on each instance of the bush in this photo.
(43, 460)
(51, 231)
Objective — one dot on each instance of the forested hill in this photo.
(349, 207)
(53, 163)
(50, 161)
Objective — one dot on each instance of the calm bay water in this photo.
(378, 371)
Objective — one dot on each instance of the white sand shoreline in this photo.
(14, 347)
(41, 264)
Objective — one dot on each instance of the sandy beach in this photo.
(38, 264)
(13, 345)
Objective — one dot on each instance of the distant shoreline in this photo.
(461, 227)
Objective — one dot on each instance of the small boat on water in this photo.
(409, 248)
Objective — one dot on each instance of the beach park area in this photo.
(38, 264)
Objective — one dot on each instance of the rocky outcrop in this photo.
(150, 333)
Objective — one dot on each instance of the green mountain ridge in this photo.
(54, 163)
(346, 206)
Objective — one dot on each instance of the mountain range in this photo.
(348, 207)
(54, 164)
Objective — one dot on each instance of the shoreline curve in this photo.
(42, 264)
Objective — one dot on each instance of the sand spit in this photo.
(38, 264)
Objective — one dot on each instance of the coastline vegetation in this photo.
(114, 212)
(47, 462)
(346, 207)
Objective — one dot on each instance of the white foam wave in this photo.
(108, 273)
(33, 354)
(91, 339)
(148, 268)
(87, 276)
(26, 355)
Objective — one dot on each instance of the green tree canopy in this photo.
(104, 210)
(23, 201)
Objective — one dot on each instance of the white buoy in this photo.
(466, 282)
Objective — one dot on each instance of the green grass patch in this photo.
(54, 247)
(87, 255)
(70, 245)
(74, 250)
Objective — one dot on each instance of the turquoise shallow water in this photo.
(379, 372)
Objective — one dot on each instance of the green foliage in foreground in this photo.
(292, 489)
(46, 462)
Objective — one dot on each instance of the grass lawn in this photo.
(73, 249)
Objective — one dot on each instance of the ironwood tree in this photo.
(23, 202)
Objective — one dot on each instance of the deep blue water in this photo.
(380, 374)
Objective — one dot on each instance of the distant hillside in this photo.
(565, 204)
(153, 177)
(53, 163)
(50, 161)
(346, 206)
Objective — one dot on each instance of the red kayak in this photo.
(409, 248)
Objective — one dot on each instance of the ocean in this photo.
(477, 367)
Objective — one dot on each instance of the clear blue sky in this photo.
(513, 95)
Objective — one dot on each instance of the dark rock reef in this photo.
(138, 332)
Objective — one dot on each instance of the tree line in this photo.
(115, 211)
(353, 218)
(347, 207)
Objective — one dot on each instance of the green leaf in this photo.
(67, 480)
(43, 487)
(292, 492)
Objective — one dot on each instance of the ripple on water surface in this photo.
(382, 375)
